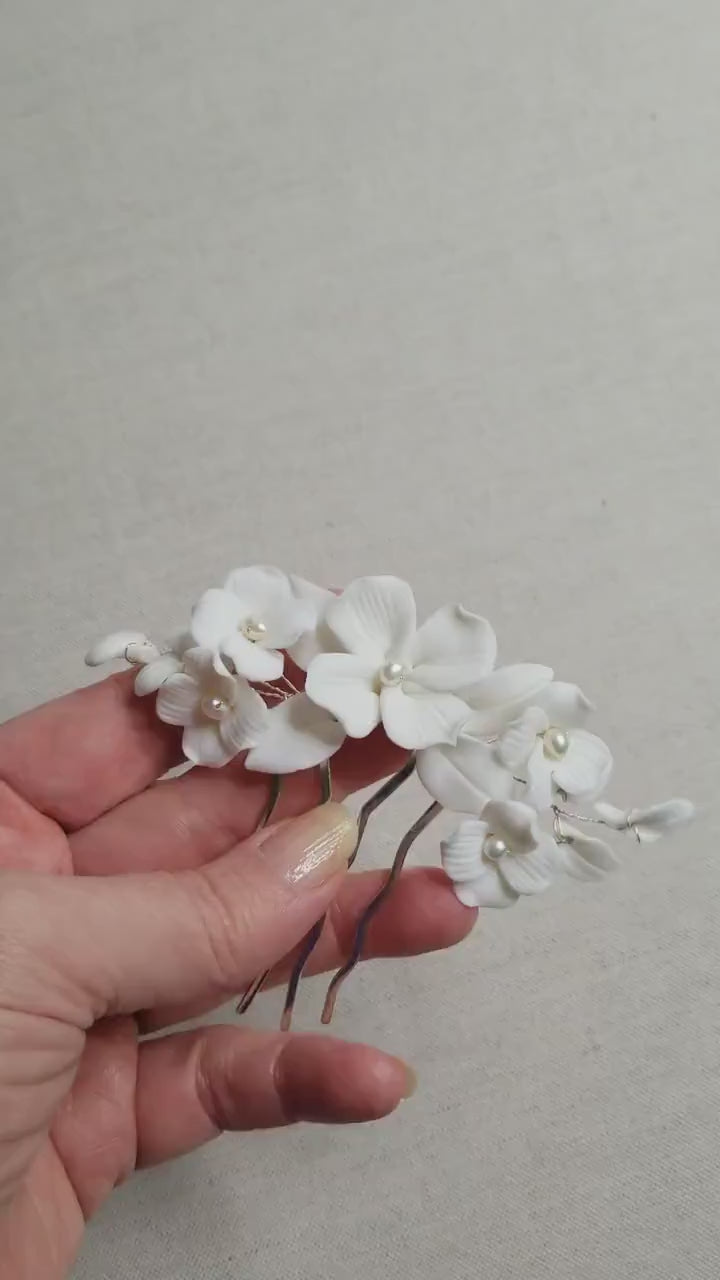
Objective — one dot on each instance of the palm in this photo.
(80, 796)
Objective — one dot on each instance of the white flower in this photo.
(465, 775)
(494, 860)
(394, 673)
(650, 824)
(254, 616)
(298, 735)
(554, 751)
(221, 715)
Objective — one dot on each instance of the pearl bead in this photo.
(213, 707)
(392, 673)
(494, 848)
(254, 631)
(555, 743)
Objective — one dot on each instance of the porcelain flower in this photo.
(251, 619)
(554, 752)
(463, 776)
(494, 860)
(650, 824)
(220, 713)
(394, 673)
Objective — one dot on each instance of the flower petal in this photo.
(318, 638)
(113, 646)
(587, 766)
(566, 705)
(529, 873)
(149, 679)
(256, 586)
(453, 648)
(246, 721)
(374, 618)
(499, 697)
(344, 684)
(177, 700)
(487, 890)
(611, 815)
(416, 720)
(539, 775)
(520, 738)
(586, 857)
(652, 823)
(209, 672)
(516, 823)
(461, 853)
(299, 735)
(203, 745)
(463, 777)
(216, 616)
(252, 660)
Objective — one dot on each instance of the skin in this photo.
(128, 904)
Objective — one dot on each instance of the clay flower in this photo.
(251, 619)
(494, 860)
(391, 672)
(220, 714)
(554, 752)
(650, 824)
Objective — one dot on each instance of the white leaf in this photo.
(298, 735)
(113, 646)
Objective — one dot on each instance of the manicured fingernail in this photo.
(313, 848)
(411, 1082)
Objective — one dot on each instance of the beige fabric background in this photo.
(431, 289)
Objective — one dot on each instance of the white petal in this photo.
(216, 616)
(149, 679)
(529, 873)
(453, 649)
(286, 620)
(318, 638)
(587, 766)
(539, 776)
(463, 777)
(514, 822)
(499, 697)
(113, 646)
(374, 618)
(611, 815)
(488, 890)
(566, 705)
(461, 853)
(520, 738)
(251, 660)
(256, 587)
(203, 745)
(586, 857)
(247, 719)
(209, 672)
(345, 685)
(416, 720)
(299, 735)
(178, 699)
(652, 823)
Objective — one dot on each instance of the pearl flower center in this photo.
(254, 630)
(494, 848)
(556, 743)
(391, 674)
(213, 706)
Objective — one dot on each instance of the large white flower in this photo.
(220, 713)
(463, 776)
(552, 749)
(394, 673)
(494, 860)
(251, 619)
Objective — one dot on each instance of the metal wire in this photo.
(258, 983)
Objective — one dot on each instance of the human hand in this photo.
(128, 904)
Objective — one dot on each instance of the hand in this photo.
(128, 904)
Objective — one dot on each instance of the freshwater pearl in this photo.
(213, 707)
(555, 743)
(392, 673)
(494, 848)
(254, 630)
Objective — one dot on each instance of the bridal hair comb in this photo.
(505, 747)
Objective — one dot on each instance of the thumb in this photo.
(106, 945)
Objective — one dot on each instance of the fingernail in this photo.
(411, 1082)
(313, 848)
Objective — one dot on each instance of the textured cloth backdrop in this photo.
(431, 289)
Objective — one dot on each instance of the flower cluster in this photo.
(507, 747)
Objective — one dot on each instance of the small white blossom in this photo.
(495, 859)
(553, 750)
(393, 673)
(251, 619)
(220, 714)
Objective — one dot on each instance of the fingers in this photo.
(77, 756)
(197, 1084)
(187, 821)
(422, 915)
(86, 947)
(28, 840)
